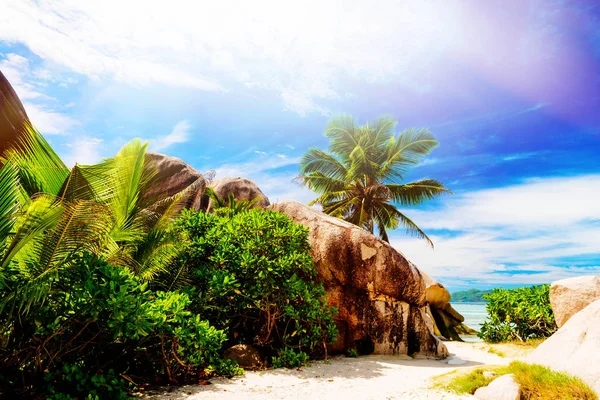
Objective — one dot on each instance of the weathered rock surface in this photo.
(447, 321)
(173, 176)
(246, 355)
(575, 347)
(381, 296)
(502, 388)
(437, 295)
(12, 115)
(569, 296)
(242, 189)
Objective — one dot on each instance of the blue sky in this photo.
(511, 90)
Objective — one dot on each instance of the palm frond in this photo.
(342, 135)
(40, 169)
(155, 253)
(384, 129)
(41, 215)
(52, 233)
(404, 152)
(411, 227)
(316, 160)
(320, 183)
(165, 210)
(9, 204)
(76, 187)
(415, 193)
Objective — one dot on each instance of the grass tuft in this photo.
(541, 383)
(463, 383)
(497, 352)
(536, 381)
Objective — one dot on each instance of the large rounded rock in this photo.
(569, 296)
(12, 115)
(175, 176)
(575, 347)
(380, 295)
(502, 388)
(437, 295)
(447, 321)
(246, 355)
(241, 188)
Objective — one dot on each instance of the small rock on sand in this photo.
(503, 388)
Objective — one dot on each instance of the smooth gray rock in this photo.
(569, 296)
(575, 347)
(502, 388)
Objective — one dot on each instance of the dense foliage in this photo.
(102, 318)
(518, 314)
(469, 296)
(100, 292)
(253, 277)
(361, 178)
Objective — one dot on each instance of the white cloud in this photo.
(302, 54)
(16, 69)
(301, 103)
(278, 186)
(84, 150)
(47, 121)
(517, 234)
(179, 134)
(549, 202)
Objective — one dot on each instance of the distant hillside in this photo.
(469, 295)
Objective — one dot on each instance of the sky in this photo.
(510, 89)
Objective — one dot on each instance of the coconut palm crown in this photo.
(361, 178)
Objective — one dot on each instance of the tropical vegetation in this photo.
(361, 177)
(252, 276)
(101, 290)
(518, 314)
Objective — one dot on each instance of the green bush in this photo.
(99, 318)
(352, 353)
(518, 314)
(254, 277)
(71, 382)
(291, 359)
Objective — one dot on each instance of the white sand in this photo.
(366, 377)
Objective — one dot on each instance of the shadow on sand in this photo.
(364, 367)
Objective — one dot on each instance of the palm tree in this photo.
(360, 178)
(49, 214)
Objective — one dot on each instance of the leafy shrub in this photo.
(100, 317)
(253, 277)
(518, 314)
(71, 382)
(290, 358)
(352, 353)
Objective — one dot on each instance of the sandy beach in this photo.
(367, 377)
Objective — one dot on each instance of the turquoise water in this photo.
(474, 314)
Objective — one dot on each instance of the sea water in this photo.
(475, 314)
